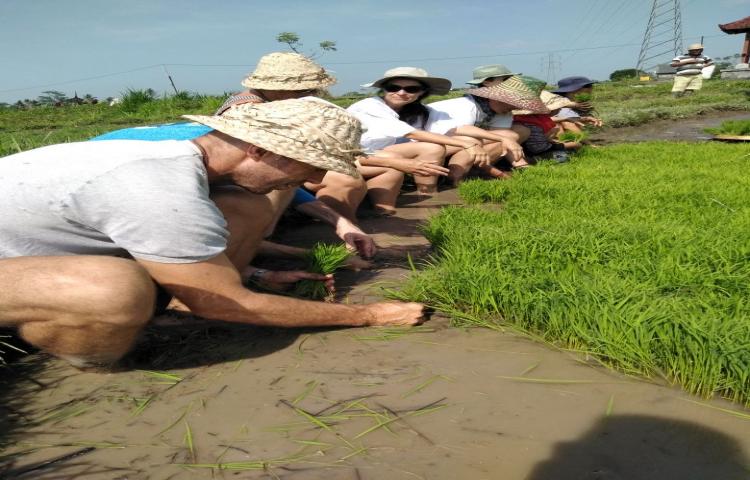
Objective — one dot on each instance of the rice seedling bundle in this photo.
(322, 258)
(638, 254)
(572, 137)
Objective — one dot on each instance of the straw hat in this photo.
(513, 92)
(480, 74)
(314, 132)
(437, 85)
(556, 102)
(287, 71)
(695, 46)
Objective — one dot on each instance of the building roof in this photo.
(740, 26)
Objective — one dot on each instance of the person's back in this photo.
(119, 197)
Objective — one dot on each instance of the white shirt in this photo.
(446, 115)
(381, 124)
(128, 198)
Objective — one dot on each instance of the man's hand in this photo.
(391, 313)
(593, 121)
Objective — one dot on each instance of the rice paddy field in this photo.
(636, 255)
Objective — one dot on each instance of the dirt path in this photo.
(686, 130)
(434, 402)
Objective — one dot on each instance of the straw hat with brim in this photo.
(551, 101)
(513, 92)
(571, 84)
(480, 74)
(317, 133)
(287, 71)
(437, 86)
(695, 46)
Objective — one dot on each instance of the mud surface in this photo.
(434, 402)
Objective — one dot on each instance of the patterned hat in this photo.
(437, 85)
(556, 102)
(287, 71)
(513, 92)
(314, 132)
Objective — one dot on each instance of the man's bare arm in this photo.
(213, 289)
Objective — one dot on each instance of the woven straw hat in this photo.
(513, 92)
(314, 132)
(556, 102)
(437, 85)
(551, 101)
(287, 71)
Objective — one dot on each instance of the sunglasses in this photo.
(393, 88)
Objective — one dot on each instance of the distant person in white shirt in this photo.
(689, 76)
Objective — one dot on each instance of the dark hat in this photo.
(571, 84)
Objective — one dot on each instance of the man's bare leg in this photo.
(85, 309)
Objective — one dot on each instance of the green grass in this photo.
(26, 129)
(731, 127)
(618, 104)
(637, 254)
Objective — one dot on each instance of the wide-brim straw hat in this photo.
(318, 133)
(695, 46)
(437, 85)
(551, 101)
(287, 71)
(513, 92)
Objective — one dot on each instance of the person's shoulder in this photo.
(451, 103)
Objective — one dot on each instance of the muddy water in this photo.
(432, 403)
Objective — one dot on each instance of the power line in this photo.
(428, 59)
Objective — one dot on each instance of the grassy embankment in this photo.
(619, 104)
(635, 254)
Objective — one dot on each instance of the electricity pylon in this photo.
(663, 33)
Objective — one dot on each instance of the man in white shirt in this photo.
(689, 76)
(96, 236)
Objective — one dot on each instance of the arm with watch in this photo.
(282, 279)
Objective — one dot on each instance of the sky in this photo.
(103, 47)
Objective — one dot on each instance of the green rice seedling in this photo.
(583, 97)
(731, 127)
(572, 137)
(636, 255)
(188, 440)
(322, 258)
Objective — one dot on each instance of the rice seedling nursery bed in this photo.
(634, 254)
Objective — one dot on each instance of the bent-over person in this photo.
(96, 237)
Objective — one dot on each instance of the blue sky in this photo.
(208, 46)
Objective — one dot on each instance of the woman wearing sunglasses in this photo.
(394, 139)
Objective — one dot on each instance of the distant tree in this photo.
(626, 73)
(4, 105)
(52, 97)
(293, 41)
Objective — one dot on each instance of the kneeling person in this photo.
(95, 236)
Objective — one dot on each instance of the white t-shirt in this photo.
(381, 124)
(446, 115)
(141, 199)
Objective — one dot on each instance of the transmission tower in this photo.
(663, 33)
(551, 64)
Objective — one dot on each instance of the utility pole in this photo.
(663, 33)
